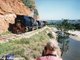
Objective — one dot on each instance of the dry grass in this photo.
(26, 47)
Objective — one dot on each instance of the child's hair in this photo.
(50, 46)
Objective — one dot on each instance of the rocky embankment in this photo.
(5, 20)
(13, 6)
(6, 38)
(8, 11)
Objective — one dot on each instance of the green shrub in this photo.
(29, 3)
(26, 47)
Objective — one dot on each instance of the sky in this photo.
(58, 9)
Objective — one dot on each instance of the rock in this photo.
(13, 6)
(5, 20)
(8, 11)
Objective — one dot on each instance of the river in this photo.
(73, 52)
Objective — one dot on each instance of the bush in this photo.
(29, 3)
(26, 47)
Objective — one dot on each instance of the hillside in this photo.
(27, 48)
(13, 6)
(8, 11)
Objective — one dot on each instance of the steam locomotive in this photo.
(26, 23)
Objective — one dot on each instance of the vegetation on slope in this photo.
(32, 6)
(26, 47)
(29, 3)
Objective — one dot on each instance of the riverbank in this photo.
(76, 35)
(73, 52)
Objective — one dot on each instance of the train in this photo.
(26, 23)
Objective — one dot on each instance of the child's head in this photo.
(50, 46)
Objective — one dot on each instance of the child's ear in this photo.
(45, 48)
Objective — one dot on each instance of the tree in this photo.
(29, 3)
(65, 25)
(63, 35)
(62, 38)
(77, 26)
